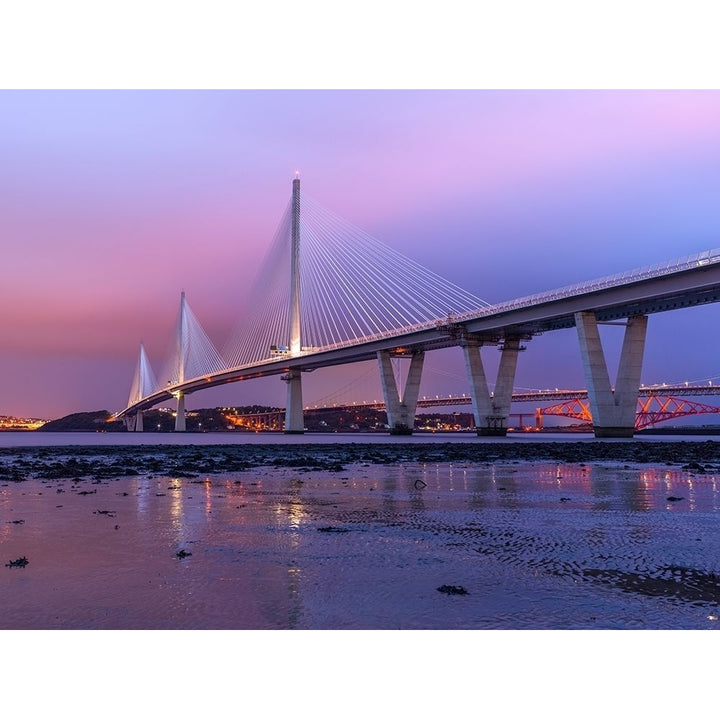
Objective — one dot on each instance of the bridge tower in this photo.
(491, 412)
(400, 408)
(143, 384)
(295, 343)
(613, 411)
(294, 420)
(182, 344)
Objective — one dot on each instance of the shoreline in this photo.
(18, 464)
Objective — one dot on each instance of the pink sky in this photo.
(113, 202)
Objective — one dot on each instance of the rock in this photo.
(20, 562)
(452, 590)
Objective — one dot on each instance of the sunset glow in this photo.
(113, 202)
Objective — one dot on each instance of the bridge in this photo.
(656, 404)
(333, 295)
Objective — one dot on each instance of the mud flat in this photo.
(498, 536)
(104, 462)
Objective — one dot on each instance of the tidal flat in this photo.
(566, 535)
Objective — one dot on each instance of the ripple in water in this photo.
(533, 545)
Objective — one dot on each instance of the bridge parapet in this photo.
(690, 262)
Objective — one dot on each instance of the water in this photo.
(41, 439)
(534, 545)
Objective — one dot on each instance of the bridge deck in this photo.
(680, 284)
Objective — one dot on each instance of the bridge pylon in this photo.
(182, 352)
(400, 409)
(143, 384)
(294, 419)
(613, 411)
(295, 340)
(491, 412)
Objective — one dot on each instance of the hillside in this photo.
(98, 421)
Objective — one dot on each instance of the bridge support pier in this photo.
(180, 415)
(294, 419)
(400, 410)
(491, 412)
(613, 412)
(134, 423)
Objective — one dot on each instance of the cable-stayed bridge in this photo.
(330, 294)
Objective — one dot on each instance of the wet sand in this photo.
(548, 535)
(104, 462)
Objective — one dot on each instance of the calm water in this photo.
(39, 439)
(533, 545)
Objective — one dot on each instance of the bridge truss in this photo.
(651, 410)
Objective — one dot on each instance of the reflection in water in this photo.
(141, 489)
(536, 545)
(5, 509)
(290, 518)
(390, 488)
(178, 517)
(413, 479)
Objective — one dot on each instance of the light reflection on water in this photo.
(537, 545)
(603, 486)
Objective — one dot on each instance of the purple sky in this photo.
(112, 202)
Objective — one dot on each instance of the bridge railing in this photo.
(689, 262)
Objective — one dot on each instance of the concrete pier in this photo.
(400, 409)
(294, 419)
(134, 423)
(180, 415)
(491, 412)
(613, 412)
